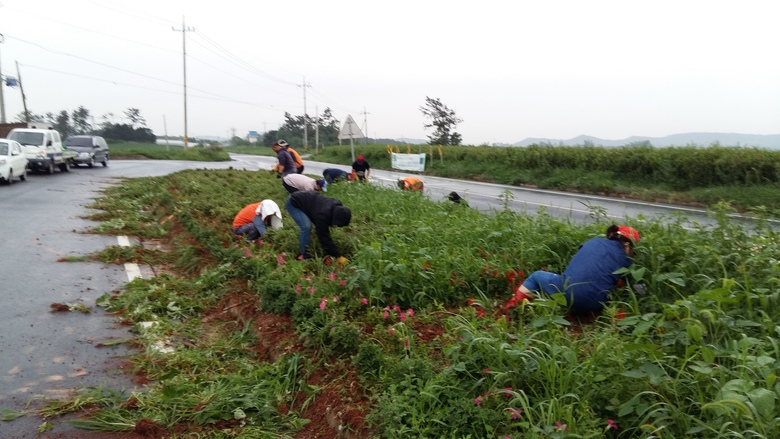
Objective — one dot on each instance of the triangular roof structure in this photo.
(350, 130)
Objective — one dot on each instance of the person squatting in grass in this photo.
(253, 219)
(298, 182)
(335, 174)
(361, 169)
(310, 207)
(286, 163)
(411, 184)
(457, 199)
(589, 276)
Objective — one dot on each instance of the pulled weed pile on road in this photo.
(407, 340)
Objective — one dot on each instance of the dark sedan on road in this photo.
(89, 149)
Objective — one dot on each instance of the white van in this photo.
(43, 149)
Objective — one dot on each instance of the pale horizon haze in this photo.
(510, 69)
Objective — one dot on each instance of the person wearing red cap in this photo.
(361, 168)
(590, 275)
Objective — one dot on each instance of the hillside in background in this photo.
(771, 141)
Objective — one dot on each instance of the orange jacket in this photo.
(412, 184)
(245, 215)
(296, 157)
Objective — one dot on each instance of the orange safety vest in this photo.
(296, 157)
(413, 184)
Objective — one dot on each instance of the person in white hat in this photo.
(253, 219)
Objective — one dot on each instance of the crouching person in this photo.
(310, 207)
(589, 276)
(410, 184)
(253, 219)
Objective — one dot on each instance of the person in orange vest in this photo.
(410, 184)
(253, 219)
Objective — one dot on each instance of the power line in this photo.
(219, 51)
(214, 96)
(241, 63)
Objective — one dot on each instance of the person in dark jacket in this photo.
(335, 174)
(361, 168)
(310, 207)
(590, 275)
(457, 199)
(286, 163)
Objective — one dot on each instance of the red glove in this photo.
(517, 299)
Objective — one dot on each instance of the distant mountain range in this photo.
(769, 141)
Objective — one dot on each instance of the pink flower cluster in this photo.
(325, 301)
(402, 315)
(515, 413)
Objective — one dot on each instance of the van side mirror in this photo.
(48, 143)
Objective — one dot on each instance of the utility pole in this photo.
(165, 127)
(316, 129)
(365, 123)
(2, 98)
(184, 29)
(24, 99)
(305, 122)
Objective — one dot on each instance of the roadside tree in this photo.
(292, 129)
(81, 121)
(444, 120)
(135, 118)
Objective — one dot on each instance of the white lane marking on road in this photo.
(132, 269)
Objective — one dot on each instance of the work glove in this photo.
(342, 260)
(640, 289)
(517, 299)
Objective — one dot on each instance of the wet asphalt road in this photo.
(44, 354)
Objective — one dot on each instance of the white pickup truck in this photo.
(43, 149)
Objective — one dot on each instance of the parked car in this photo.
(13, 163)
(89, 150)
(43, 149)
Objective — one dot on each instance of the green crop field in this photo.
(409, 338)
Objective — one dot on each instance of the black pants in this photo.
(289, 188)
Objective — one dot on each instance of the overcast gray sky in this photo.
(511, 69)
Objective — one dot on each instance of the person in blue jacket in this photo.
(590, 275)
(335, 174)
